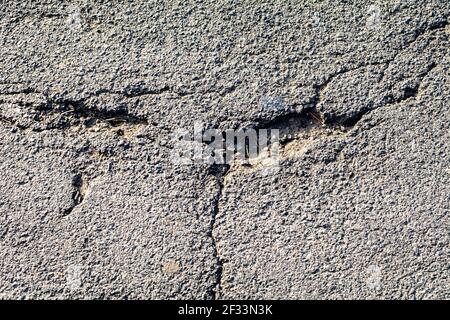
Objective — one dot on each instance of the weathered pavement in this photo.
(91, 205)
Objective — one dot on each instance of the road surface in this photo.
(92, 205)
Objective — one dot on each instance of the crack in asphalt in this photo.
(219, 172)
(78, 194)
(132, 92)
(77, 108)
(123, 116)
(112, 117)
(310, 116)
(302, 121)
(409, 92)
(71, 110)
(439, 25)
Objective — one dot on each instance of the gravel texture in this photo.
(92, 205)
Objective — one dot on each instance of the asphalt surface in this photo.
(92, 205)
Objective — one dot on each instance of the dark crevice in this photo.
(419, 32)
(71, 112)
(137, 92)
(408, 93)
(17, 92)
(438, 25)
(290, 124)
(77, 108)
(219, 172)
(133, 92)
(112, 117)
(302, 118)
(352, 121)
(319, 88)
(78, 193)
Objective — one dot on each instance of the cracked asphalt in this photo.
(93, 207)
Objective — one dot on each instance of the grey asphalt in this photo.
(93, 207)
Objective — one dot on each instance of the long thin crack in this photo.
(132, 92)
(409, 92)
(219, 171)
(293, 123)
(319, 88)
(312, 107)
(439, 25)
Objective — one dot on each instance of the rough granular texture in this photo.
(92, 205)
